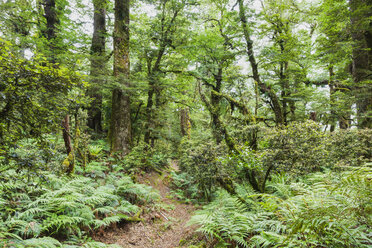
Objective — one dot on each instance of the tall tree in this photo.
(265, 89)
(54, 46)
(97, 65)
(50, 33)
(163, 38)
(51, 28)
(333, 51)
(361, 20)
(120, 131)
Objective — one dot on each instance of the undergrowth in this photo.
(321, 210)
(41, 208)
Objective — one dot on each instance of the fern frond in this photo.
(45, 242)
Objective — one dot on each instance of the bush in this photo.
(203, 165)
(144, 157)
(301, 148)
(185, 187)
(350, 147)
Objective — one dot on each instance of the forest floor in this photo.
(164, 227)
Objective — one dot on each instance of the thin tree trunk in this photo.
(50, 33)
(66, 134)
(285, 87)
(120, 132)
(332, 99)
(218, 130)
(277, 108)
(153, 73)
(149, 119)
(185, 123)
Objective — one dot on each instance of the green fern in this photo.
(325, 210)
(64, 207)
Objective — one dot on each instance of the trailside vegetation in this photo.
(255, 112)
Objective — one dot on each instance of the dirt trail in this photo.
(161, 228)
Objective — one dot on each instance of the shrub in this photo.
(301, 148)
(350, 147)
(144, 157)
(185, 187)
(202, 163)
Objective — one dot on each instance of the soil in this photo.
(164, 227)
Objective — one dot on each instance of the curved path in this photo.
(163, 228)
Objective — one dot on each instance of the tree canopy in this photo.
(254, 104)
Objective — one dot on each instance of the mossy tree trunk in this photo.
(275, 103)
(185, 123)
(361, 24)
(97, 66)
(153, 62)
(54, 45)
(120, 130)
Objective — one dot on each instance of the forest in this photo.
(186, 123)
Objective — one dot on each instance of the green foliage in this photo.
(202, 165)
(33, 96)
(225, 219)
(350, 147)
(194, 56)
(143, 157)
(185, 187)
(323, 210)
(48, 242)
(33, 206)
(303, 147)
(299, 147)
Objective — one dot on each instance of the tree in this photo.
(54, 45)
(120, 130)
(97, 61)
(214, 54)
(17, 22)
(163, 37)
(275, 103)
(333, 50)
(361, 24)
(33, 96)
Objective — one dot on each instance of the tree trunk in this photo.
(332, 99)
(285, 86)
(153, 75)
(149, 109)
(120, 131)
(69, 161)
(361, 11)
(217, 129)
(97, 61)
(50, 34)
(278, 112)
(185, 123)
(66, 134)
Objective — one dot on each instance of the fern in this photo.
(48, 242)
(64, 207)
(325, 210)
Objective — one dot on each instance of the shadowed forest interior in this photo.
(186, 123)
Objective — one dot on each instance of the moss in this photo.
(69, 163)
